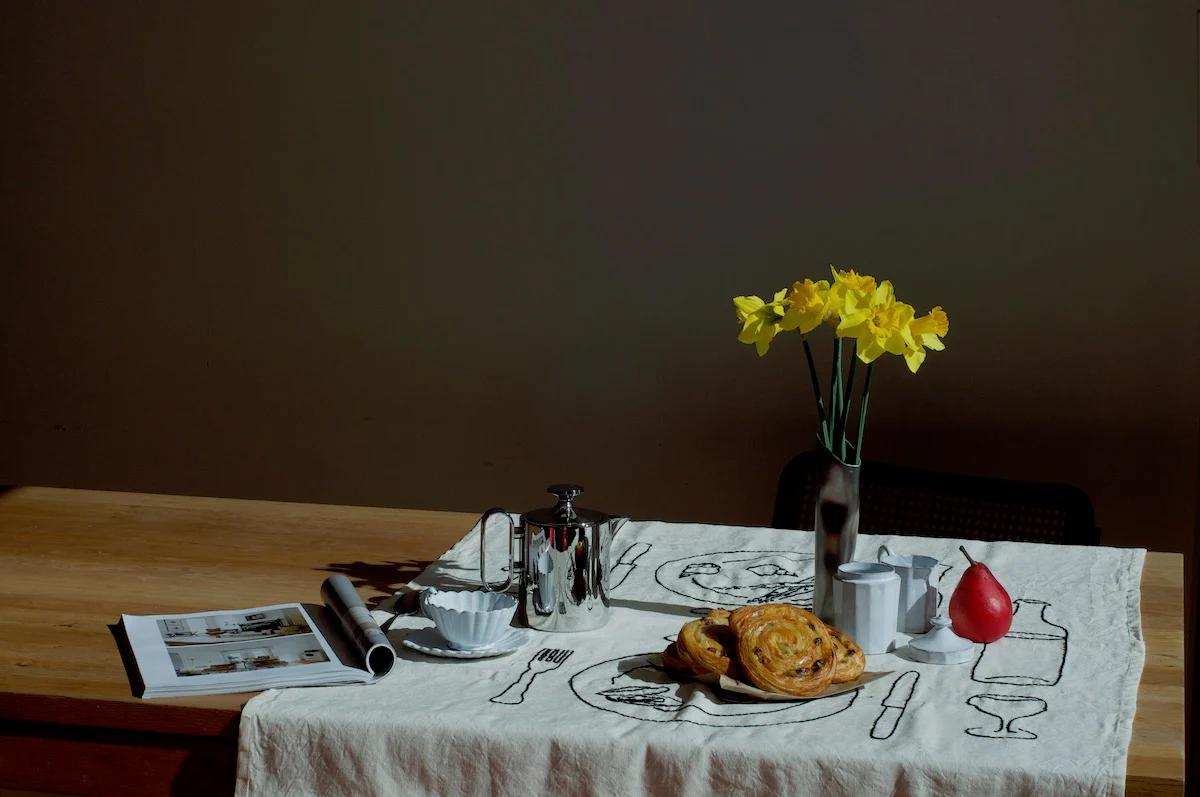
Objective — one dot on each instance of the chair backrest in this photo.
(899, 500)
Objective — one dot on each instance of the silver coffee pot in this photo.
(559, 557)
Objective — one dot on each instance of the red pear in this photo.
(980, 608)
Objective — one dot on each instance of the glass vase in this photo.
(836, 520)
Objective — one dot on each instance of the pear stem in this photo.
(969, 559)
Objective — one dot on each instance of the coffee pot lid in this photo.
(564, 512)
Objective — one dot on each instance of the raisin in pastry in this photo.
(708, 646)
(783, 648)
(849, 661)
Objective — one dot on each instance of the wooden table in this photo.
(72, 561)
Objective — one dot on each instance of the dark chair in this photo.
(899, 500)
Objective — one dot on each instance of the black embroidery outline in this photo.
(626, 568)
(718, 695)
(797, 592)
(653, 696)
(1006, 729)
(892, 710)
(1028, 680)
(945, 569)
(554, 657)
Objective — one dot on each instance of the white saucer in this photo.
(429, 641)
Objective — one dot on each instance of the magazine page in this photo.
(358, 626)
(234, 651)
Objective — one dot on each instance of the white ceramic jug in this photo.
(918, 598)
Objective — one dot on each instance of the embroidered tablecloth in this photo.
(1047, 710)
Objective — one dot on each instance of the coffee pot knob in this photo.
(564, 492)
(563, 510)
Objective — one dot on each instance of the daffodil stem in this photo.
(862, 414)
(816, 386)
(835, 398)
(848, 397)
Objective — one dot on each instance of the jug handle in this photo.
(512, 531)
(883, 551)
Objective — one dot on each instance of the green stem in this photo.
(848, 397)
(835, 402)
(816, 386)
(862, 414)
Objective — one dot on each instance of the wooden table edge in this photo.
(1159, 785)
(146, 716)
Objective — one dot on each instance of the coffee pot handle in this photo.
(512, 531)
(883, 551)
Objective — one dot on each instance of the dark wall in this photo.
(438, 255)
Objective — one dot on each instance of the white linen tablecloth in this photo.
(1048, 710)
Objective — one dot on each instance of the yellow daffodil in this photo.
(852, 280)
(847, 287)
(856, 307)
(761, 321)
(806, 306)
(931, 327)
(878, 323)
(927, 332)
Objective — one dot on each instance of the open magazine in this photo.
(289, 644)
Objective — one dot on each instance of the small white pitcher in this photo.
(918, 598)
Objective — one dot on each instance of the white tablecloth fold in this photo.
(1048, 710)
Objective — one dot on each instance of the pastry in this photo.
(783, 648)
(672, 663)
(708, 646)
(849, 661)
(720, 616)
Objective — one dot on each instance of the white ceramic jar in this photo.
(866, 597)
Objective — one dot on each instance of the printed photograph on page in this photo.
(268, 654)
(233, 627)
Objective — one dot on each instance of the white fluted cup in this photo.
(470, 619)
(865, 598)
